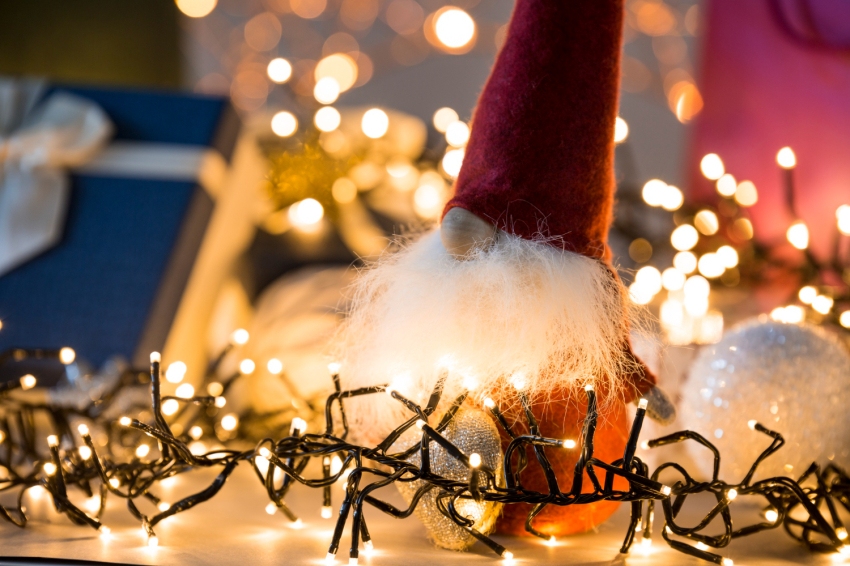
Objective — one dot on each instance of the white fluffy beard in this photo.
(519, 313)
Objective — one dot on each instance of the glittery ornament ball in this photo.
(790, 378)
(473, 431)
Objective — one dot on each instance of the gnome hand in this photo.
(462, 232)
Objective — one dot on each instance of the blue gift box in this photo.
(115, 281)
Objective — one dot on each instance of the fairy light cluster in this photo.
(74, 461)
(714, 247)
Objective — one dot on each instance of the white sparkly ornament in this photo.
(790, 378)
(472, 431)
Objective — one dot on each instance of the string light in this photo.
(327, 90)
(621, 130)
(240, 337)
(443, 118)
(247, 366)
(746, 194)
(453, 27)
(293, 453)
(375, 123)
(653, 192)
(844, 319)
(684, 237)
(726, 185)
(712, 167)
(67, 356)
(842, 216)
(306, 214)
(279, 70)
(822, 304)
(686, 262)
(706, 222)
(229, 422)
(185, 391)
(327, 119)
(672, 279)
(457, 134)
(786, 159)
(798, 235)
(28, 381)
(452, 161)
(196, 8)
(275, 366)
(284, 123)
(176, 372)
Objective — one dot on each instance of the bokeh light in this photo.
(712, 167)
(454, 28)
(284, 124)
(196, 8)
(340, 67)
(443, 118)
(279, 70)
(327, 119)
(327, 90)
(375, 123)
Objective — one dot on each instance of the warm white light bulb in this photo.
(771, 515)
(185, 391)
(327, 119)
(85, 452)
(163, 506)
(271, 508)
(454, 28)
(489, 403)
(229, 422)
(569, 443)
(643, 403)
(475, 460)
(125, 421)
(653, 192)
(67, 355)
(275, 366)
(798, 235)
(712, 166)
(284, 124)
(752, 424)
(375, 123)
(666, 490)
(247, 366)
(279, 70)
(170, 406)
(49, 468)
(842, 216)
(443, 118)
(156, 357)
(175, 372)
(621, 130)
(732, 494)
(786, 159)
(240, 337)
(807, 294)
(28, 381)
(327, 512)
(684, 237)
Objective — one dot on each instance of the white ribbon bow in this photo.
(38, 141)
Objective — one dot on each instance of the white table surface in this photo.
(233, 528)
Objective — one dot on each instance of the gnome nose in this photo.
(462, 232)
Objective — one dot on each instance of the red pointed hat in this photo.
(540, 159)
(539, 162)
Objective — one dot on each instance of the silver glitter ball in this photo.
(472, 431)
(790, 378)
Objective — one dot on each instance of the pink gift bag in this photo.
(776, 73)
